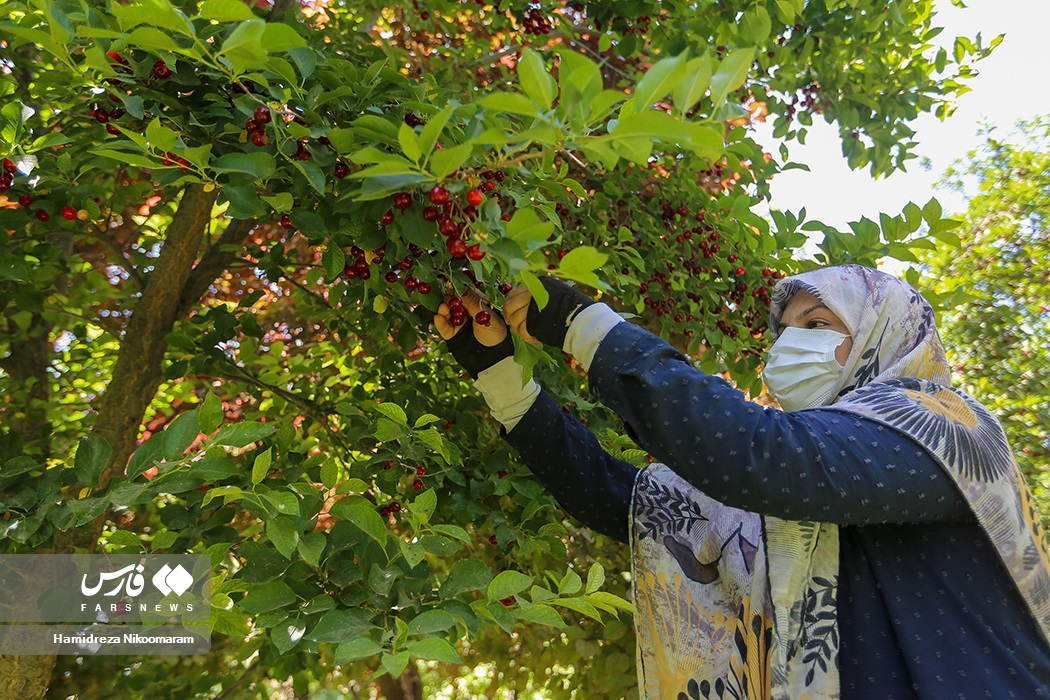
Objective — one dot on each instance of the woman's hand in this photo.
(488, 335)
(516, 311)
(476, 346)
(550, 325)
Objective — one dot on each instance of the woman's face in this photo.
(806, 311)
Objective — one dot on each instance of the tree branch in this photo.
(214, 262)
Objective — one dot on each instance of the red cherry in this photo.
(395, 507)
(740, 270)
(448, 226)
(410, 117)
(9, 166)
(475, 198)
(161, 70)
(475, 252)
(389, 463)
(501, 473)
(390, 277)
(262, 115)
(112, 130)
(25, 200)
(421, 471)
(42, 215)
(482, 318)
(303, 155)
(341, 170)
(388, 218)
(418, 485)
(438, 195)
(402, 200)
(251, 125)
(454, 303)
(260, 137)
(431, 213)
(488, 186)
(731, 258)
(457, 247)
(505, 288)
(423, 288)
(286, 222)
(493, 541)
(411, 282)
(69, 213)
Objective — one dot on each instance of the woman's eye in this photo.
(816, 323)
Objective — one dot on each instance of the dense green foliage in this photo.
(220, 270)
(999, 335)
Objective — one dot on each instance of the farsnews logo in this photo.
(131, 582)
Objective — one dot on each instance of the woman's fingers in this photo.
(516, 310)
(442, 323)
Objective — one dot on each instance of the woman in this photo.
(872, 540)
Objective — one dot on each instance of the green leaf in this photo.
(259, 165)
(658, 81)
(93, 453)
(334, 261)
(225, 10)
(430, 622)
(261, 466)
(268, 596)
(508, 583)
(180, 435)
(755, 25)
(153, 39)
(534, 79)
(731, 73)
(465, 575)
(432, 130)
(284, 535)
(512, 103)
(425, 419)
(595, 577)
(691, 87)
(541, 614)
(580, 263)
(355, 650)
(579, 605)
(281, 37)
(525, 226)
(244, 46)
(425, 504)
(932, 211)
(281, 202)
(364, 518)
(210, 413)
(443, 162)
(452, 531)
(537, 290)
(341, 625)
(434, 649)
(393, 412)
(409, 141)
(570, 584)
(313, 173)
(243, 434)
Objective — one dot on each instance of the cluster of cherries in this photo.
(256, 126)
(7, 180)
(535, 22)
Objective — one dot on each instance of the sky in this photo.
(1009, 87)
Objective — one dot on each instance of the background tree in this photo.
(229, 226)
(998, 332)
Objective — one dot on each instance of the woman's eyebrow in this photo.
(807, 312)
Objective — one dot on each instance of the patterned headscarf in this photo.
(736, 622)
(892, 326)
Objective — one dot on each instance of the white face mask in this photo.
(802, 371)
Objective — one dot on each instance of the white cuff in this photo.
(588, 330)
(501, 387)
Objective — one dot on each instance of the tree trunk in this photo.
(136, 377)
(407, 686)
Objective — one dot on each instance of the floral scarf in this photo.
(732, 604)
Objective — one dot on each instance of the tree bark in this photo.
(407, 686)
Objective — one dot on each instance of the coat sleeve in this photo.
(815, 464)
(588, 482)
